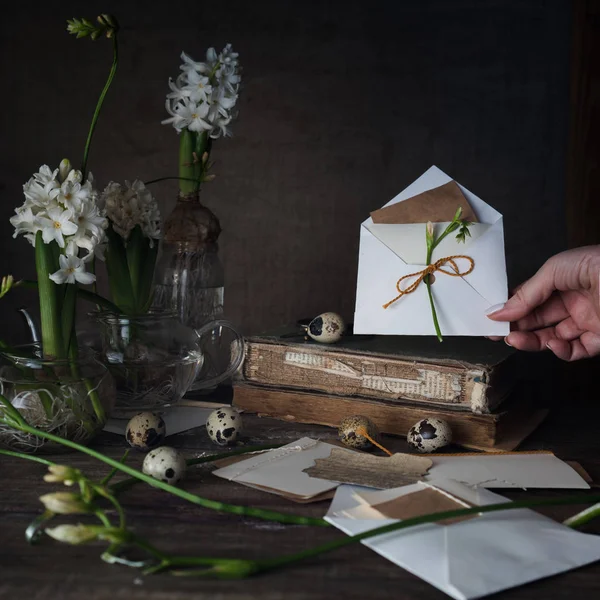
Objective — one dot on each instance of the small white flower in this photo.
(198, 87)
(72, 269)
(71, 193)
(131, 205)
(24, 221)
(56, 225)
(45, 175)
(88, 218)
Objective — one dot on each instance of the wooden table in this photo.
(59, 571)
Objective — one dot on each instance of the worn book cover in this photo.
(462, 373)
(501, 431)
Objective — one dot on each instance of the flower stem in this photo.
(121, 486)
(187, 146)
(430, 248)
(52, 342)
(267, 515)
(111, 76)
(37, 459)
(421, 520)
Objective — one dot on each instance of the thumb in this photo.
(529, 295)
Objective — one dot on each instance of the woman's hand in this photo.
(559, 307)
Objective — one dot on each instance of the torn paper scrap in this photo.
(368, 470)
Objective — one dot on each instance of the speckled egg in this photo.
(224, 425)
(429, 435)
(145, 431)
(349, 432)
(326, 328)
(166, 464)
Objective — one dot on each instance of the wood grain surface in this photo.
(56, 571)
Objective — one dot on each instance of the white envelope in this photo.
(472, 558)
(387, 252)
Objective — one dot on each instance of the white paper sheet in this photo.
(281, 469)
(520, 470)
(177, 419)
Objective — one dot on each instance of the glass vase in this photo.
(70, 398)
(154, 358)
(190, 280)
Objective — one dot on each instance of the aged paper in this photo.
(381, 472)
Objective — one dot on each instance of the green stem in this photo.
(68, 315)
(187, 171)
(121, 486)
(436, 324)
(37, 459)
(583, 517)
(267, 515)
(52, 342)
(421, 520)
(114, 471)
(111, 76)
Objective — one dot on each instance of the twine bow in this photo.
(429, 270)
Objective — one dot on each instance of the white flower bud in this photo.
(73, 534)
(61, 474)
(65, 503)
(64, 169)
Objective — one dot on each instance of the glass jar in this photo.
(154, 358)
(190, 280)
(71, 398)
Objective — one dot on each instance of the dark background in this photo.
(343, 105)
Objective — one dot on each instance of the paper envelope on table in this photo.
(470, 558)
(392, 244)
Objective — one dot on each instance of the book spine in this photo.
(470, 430)
(346, 374)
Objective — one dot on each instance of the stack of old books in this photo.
(394, 380)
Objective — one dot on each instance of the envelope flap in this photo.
(408, 241)
(435, 205)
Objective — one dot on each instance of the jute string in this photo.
(429, 270)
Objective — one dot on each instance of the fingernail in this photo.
(507, 342)
(548, 346)
(495, 308)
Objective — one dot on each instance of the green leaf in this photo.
(118, 273)
(137, 255)
(68, 312)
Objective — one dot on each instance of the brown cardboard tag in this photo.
(381, 472)
(427, 501)
(436, 205)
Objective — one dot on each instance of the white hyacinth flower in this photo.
(56, 225)
(72, 269)
(205, 93)
(129, 206)
(64, 208)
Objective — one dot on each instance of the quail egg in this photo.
(326, 328)
(224, 425)
(429, 435)
(166, 464)
(145, 431)
(351, 432)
